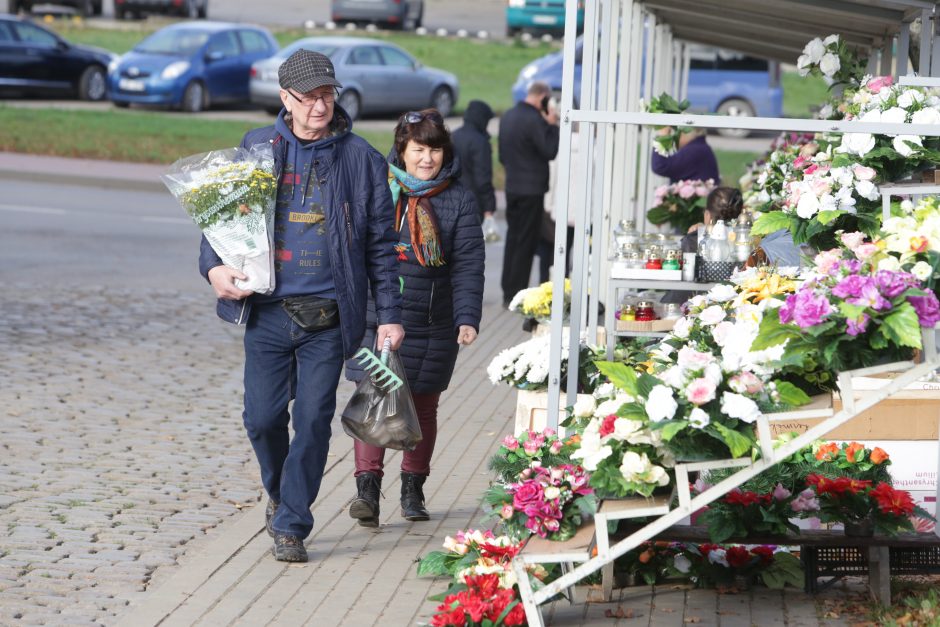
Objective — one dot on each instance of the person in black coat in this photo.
(472, 145)
(441, 253)
(528, 141)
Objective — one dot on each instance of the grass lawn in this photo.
(732, 163)
(800, 94)
(489, 77)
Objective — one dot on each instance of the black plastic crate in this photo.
(836, 562)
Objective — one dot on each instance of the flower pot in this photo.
(860, 527)
(742, 582)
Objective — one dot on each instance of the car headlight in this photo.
(174, 70)
(517, 3)
(113, 64)
(529, 71)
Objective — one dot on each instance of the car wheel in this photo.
(511, 31)
(273, 110)
(93, 84)
(443, 100)
(736, 107)
(351, 103)
(194, 98)
(121, 104)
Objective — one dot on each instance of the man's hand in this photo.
(223, 278)
(393, 331)
(666, 130)
(552, 116)
(466, 335)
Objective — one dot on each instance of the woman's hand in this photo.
(466, 335)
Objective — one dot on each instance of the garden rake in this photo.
(377, 367)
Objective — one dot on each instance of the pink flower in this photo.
(866, 251)
(556, 446)
(548, 432)
(686, 190)
(811, 169)
(877, 83)
(853, 240)
(781, 493)
(527, 493)
(531, 447)
(746, 383)
(828, 260)
(702, 190)
(863, 173)
(799, 162)
(700, 391)
(507, 512)
(821, 186)
(510, 442)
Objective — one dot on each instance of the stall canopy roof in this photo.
(778, 29)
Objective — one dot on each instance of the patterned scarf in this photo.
(422, 223)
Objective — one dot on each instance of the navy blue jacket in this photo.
(472, 145)
(436, 301)
(359, 216)
(694, 161)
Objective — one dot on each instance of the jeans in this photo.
(372, 458)
(283, 362)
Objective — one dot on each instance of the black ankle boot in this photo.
(365, 507)
(412, 496)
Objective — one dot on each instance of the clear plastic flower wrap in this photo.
(230, 195)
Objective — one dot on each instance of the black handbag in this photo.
(312, 313)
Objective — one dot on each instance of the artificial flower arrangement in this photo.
(741, 513)
(525, 366)
(625, 457)
(849, 314)
(680, 204)
(831, 59)
(911, 240)
(666, 141)
(516, 454)
(536, 302)
(862, 506)
(710, 565)
(550, 502)
(762, 185)
(848, 459)
(484, 603)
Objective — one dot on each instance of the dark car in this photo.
(190, 65)
(35, 61)
(393, 13)
(85, 7)
(124, 9)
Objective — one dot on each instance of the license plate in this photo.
(544, 19)
(131, 84)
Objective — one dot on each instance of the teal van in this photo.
(539, 16)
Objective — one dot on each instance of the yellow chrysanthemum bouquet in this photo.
(536, 302)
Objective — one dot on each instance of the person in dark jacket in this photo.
(442, 256)
(528, 141)
(333, 236)
(694, 160)
(473, 148)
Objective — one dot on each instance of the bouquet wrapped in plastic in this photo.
(230, 195)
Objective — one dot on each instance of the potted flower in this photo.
(551, 502)
(515, 454)
(742, 513)
(862, 507)
(482, 604)
(710, 565)
(536, 302)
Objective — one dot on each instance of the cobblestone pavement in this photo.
(122, 442)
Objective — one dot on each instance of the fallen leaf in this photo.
(693, 619)
(667, 610)
(621, 613)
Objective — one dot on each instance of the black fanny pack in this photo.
(312, 313)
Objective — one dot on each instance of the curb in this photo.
(85, 181)
(83, 172)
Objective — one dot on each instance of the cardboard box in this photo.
(653, 326)
(912, 414)
(532, 411)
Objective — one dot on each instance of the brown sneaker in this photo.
(289, 548)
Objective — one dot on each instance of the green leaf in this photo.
(791, 395)
(773, 332)
(737, 443)
(632, 411)
(771, 222)
(671, 427)
(620, 374)
(825, 217)
(433, 564)
(902, 326)
(851, 311)
(659, 215)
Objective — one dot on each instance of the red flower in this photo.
(705, 549)
(499, 552)
(607, 427)
(476, 607)
(852, 450)
(891, 501)
(765, 553)
(448, 618)
(738, 557)
(516, 616)
(485, 585)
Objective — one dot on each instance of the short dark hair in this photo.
(429, 130)
(724, 203)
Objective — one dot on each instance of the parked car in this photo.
(720, 81)
(36, 61)
(393, 13)
(190, 65)
(539, 16)
(377, 77)
(124, 9)
(87, 8)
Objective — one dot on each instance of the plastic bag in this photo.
(490, 230)
(381, 418)
(230, 195)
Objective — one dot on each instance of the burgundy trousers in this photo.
(372, 458)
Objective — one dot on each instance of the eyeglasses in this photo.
(308, 100)
(413, 117)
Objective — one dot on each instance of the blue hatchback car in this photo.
(190, 66)
(720, 82)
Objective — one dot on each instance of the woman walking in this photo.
(441, 249)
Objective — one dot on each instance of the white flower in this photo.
(894, 115)
(604, 390)
(900, 143)
(681, 563)
(712, 315)
(672, 376)
(661, 405)
(926, 116)
(552, 492)
(590, 450)
(722, 331)
(867, 190)
(682, 327)
(690, 359)
(815, 50)
(740, 407)
(825, 112)
(922, 270)
(624, 428)
(584, 406)
(829, 64)
(809, 205)
(722, 293)
(858, 143)
(889, 263)
(638, 468)
(803, 64)
(698, 418)
(717, 556)
(609, 407)
(831, 39)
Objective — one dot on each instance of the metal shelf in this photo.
(682, 286)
